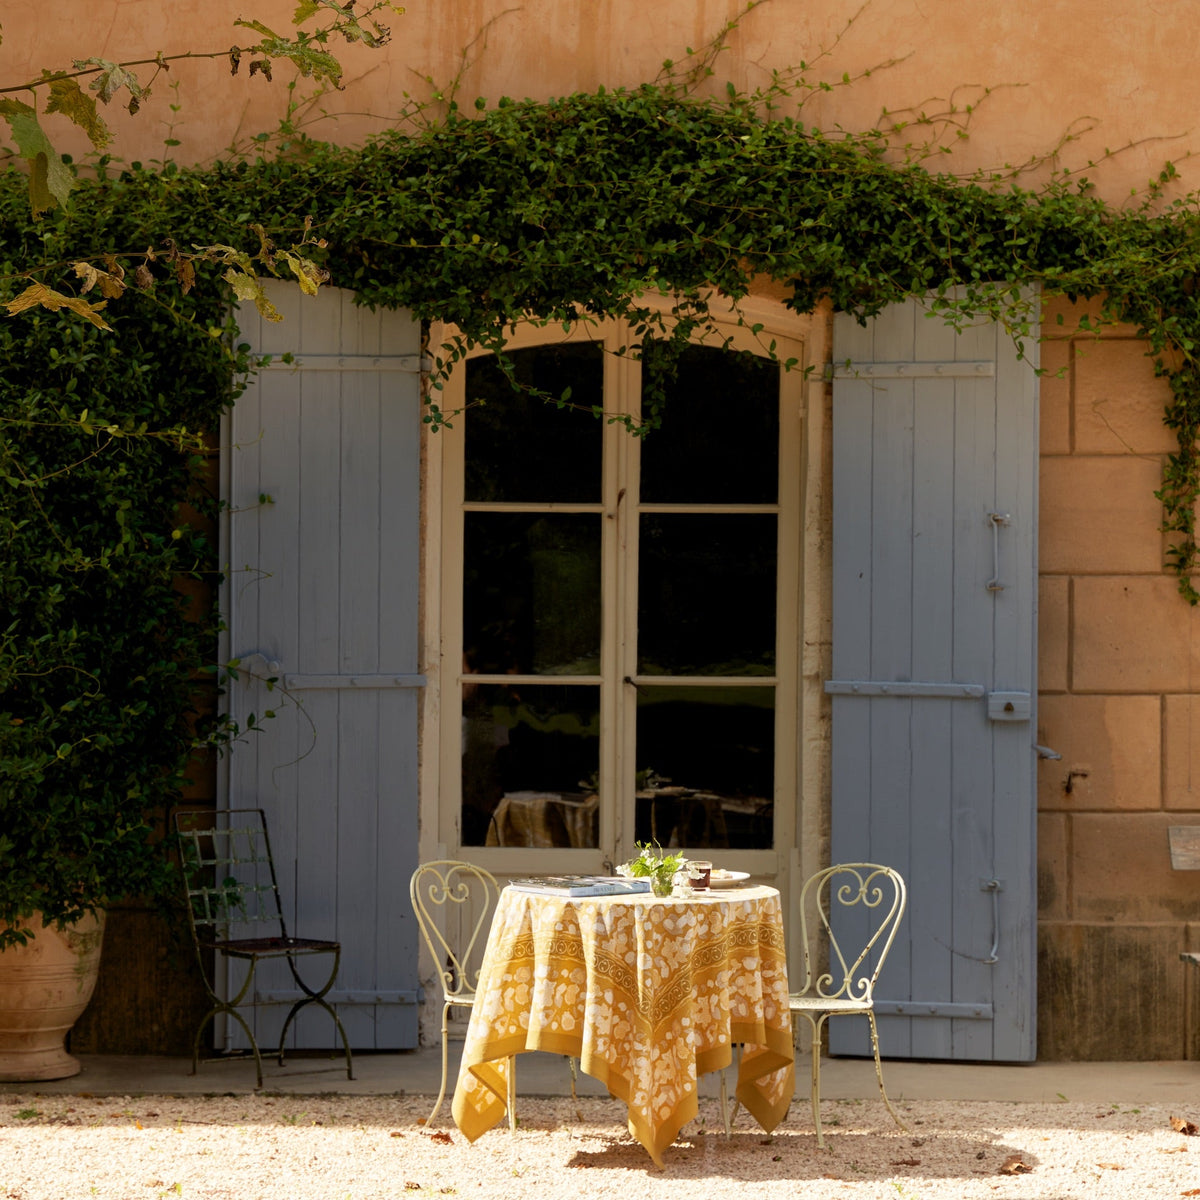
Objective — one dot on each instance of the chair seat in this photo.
(269, 946)
(831, 1005)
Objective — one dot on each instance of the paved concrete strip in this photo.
(418, 1073)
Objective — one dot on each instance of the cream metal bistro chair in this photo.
(235, 912)
(448, 893)
(877, 895)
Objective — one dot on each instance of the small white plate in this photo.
(728, 879)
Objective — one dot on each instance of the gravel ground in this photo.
(272, 1147)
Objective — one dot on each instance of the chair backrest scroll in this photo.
(854, 909)
(454, 902)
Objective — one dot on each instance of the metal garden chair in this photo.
(449, 896)
(868, 899)
(235, 913)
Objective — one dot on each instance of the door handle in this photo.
(995, 886)
(997, 519)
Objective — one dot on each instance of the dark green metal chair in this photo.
(235, 913)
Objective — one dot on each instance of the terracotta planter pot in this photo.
(44, 987)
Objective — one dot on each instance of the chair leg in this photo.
(879, 1072)
(512, 1079)
(237, 1016)
(816, 1078)
(574, 1092)
(317, 998)
(320, 1003)
(729, 1115)
(231, 1012)
(230, 1009)
(212, 1012)
(196, 1040)
(445, 1065)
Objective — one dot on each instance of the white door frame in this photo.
(801, 801)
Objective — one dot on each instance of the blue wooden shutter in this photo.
(933, 687)
(323, 480)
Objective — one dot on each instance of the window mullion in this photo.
(625, 448)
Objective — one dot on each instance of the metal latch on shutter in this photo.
(361, 679)
(1009, 706)
(985, 369)
(1001, 706)
(370, 996)
(934, 1008)
(903, 689)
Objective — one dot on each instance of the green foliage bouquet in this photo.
(661, 868)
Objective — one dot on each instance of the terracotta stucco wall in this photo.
(1119, 681)
(1113, 73)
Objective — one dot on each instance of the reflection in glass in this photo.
(531, 755)
(531, 593)
(521, 448)
(719, 438)
(706, 759)
(706, 594)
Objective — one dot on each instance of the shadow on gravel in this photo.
(851, 1157)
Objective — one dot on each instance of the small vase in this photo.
(661, 886)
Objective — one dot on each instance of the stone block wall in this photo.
(1119, 698)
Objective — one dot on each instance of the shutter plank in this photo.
(931, 913)
(892, 615)
(1016, 768)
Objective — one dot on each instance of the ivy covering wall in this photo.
(101, 652)
(571, 209)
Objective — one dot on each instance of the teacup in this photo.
(699, 874)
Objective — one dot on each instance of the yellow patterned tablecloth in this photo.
(647, 993)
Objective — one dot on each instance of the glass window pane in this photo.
(706, 767)
(520, 448)
(531, 593)
(719, 439)
(706, 594)
(531, 759)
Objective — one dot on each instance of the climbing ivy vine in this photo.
(564, 211)
(576, 209)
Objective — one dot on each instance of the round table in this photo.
(648, 993)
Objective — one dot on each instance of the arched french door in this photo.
(620, 615)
